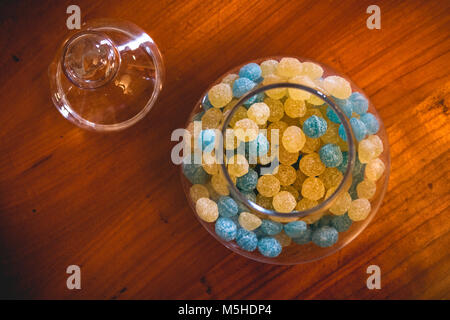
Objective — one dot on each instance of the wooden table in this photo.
(113, 203)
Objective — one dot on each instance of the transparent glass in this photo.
(295, 253)
(106, 76)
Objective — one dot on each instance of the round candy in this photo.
(259, 147)
(229, 79)
(276, 109)
(286, 175)
(331, 177)
(359, 103)
(286, 157)
(299, 94)
(283, 239)
(238, 165)
(337, 87)
(325, 236)
(259, 112)
(198, 191)
(295, 229)
(250, 71)
(311, 145)
(212, 118)
(371, 123)
(269, 247)
(246, 240)
(241, 113)
(304, 238)
(271, 228)
(341, 204)
(314, 127)
(277, 93)
(294, 108)
(313, 189)
(268, 185)
(220, 184)
(377, 143)
(359, 129)
(226, 229)
(195, 173)
(264, 202)
(374, 169)
(248, 181)
(331, 136)
(241, 86)
(268, 67)
(331, 155)
(311, 165)
(341, 223)
(246, 130)
(207, 209)
(289, 67)
(359, 209)
(312, 70)
(284, 202)
(206, 140)
(366, 151)
(366, 189)
(220, 95)
(249, 221)
(293, 139)
(250, 196)
(305, 204)
(227, 207)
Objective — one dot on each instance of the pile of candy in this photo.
(311, 154)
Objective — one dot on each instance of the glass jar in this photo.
(349, 193)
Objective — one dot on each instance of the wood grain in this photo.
(113, 203)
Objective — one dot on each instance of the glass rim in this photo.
(324, 205)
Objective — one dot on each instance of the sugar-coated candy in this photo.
(283, 239)
(227, 207)
(292, 190)
(359, 103)
(310, 111)
(284, 202)
(250, 196)
(212, 119)
(240, 113)
(207, 209)
(325, 220)
(246, 130)
(220, 184)
(331, 135)
(371, 123)
(313, 188)
(344, 105)
(331, 177)
(359, 209)
(198, 191)
(314, 127)
(265, 202)
(366, 189)
(289, 67)
(299, 94)
(294, 108)
(276, 109)
(249, 221)
(269, 247)
(325, 236)
(220, 95)
(246, 240)
(374, 169)
(226, 229)
(341, 204)
(311, 165)
(295, 229)
(311, 145)
(293, 139)
(341, 223)
(271, 228)
(248, 181)
(250, 71)
(229, 79)
(377, 143)
(268, 185)
(286, 174)
(241, 86)
(206, 140)
(304, 238)
(260, 146)
(366, 151)
(359, 129)
(337, 87)
(312, 70)
(331, 155)
(277, 93)
(195, 173)
(209, 163)
(305, 204)
(268, 67)
(238, 165)
(259, 112)
(286, 157)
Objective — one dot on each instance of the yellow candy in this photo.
(207, 209)
(220, 95)
(366, 151)
(238, 165)
(230, 78)
(341, 204)
(359, 209)
(376, 141)
(331, 135)
(246, 130)
(249, 221)
(277, 93)
(286, 174)
(311, 145)
(212, 119)
(374, 169)
(311, 165)
(268, 67)
(292, 190)
(313, 188)
(289, 67)
(294, 108)
(231, 142)
(366, 189)
(272, 132)
(283, 239)
(220, 184)
(312, 70)
(198, 191)
(337, 86)
(331, 177)
(286, 157)
(301, 177)
(276, 109)
(298, 94)
(284, 202)
(259, 112)
(268, 185)
(293, 139)
(265, 202)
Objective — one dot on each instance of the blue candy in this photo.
(358, 128)
(324, 221)
(359, 103)
(248, 181)
(371, 123)
(259, 146)
(241, 86)
(346, 107)
(314, 126)
(226, 229)
(295, 229)
(341, 223)
(251, 71)
(331, 155)
(195, 173)
(227, 207)
(270, 227)
(206, 140)
(247, 240)
(206, 103)
(269, 247)
(325, 236)
(343, 166)
(304, 238)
